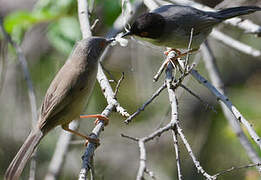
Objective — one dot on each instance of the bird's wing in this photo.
(59, 94)
(186, 18)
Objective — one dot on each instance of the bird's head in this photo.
(91, 47)
(148, 25)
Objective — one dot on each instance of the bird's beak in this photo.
(126, 34)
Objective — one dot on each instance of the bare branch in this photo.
(84, 18)
(236, 168)
(211, 66)
(129, 137)
(108, 92)
(142, 167)
(189, 45)
(118, 85)
(208, 106)
(195, 161)
(142, 108)
(176, 147)
(94, 24)
(89, 152)
(230, 106)
(161, 69)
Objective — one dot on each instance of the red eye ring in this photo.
(102, 44)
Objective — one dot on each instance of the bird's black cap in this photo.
(149, 25)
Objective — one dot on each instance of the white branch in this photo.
(229, 105)
(83, 15)
(176, 147)
(108, 92)
(210, 63)
(142, 166)
(195, 161)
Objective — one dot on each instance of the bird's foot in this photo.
(178, 52)
(99, 118)
(95, 141)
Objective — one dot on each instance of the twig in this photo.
(161, 69)
(208, 106)
(190, 42)
(176, 147)
(214, 74)
(236, 168)
(118, 85)
(129, 137)
(94, 24)
(142, 108)
(31, 93)
(175, 121)
(195, 161)
(229, 105)
(174, 115)
(176, 84)
(111, 77)
(108, 92)
(171, 125)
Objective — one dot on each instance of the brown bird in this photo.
(65, 99)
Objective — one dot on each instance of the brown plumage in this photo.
(65, 98)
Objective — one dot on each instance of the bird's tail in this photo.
(16, 167)
(235, 11)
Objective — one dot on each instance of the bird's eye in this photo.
(144, 34)
(102, 44)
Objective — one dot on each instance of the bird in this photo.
(65, 99)
(171, 25)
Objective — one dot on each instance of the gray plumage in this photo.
(171, 25)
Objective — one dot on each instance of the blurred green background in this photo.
(47, 31)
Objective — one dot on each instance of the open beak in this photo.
(126, 34)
